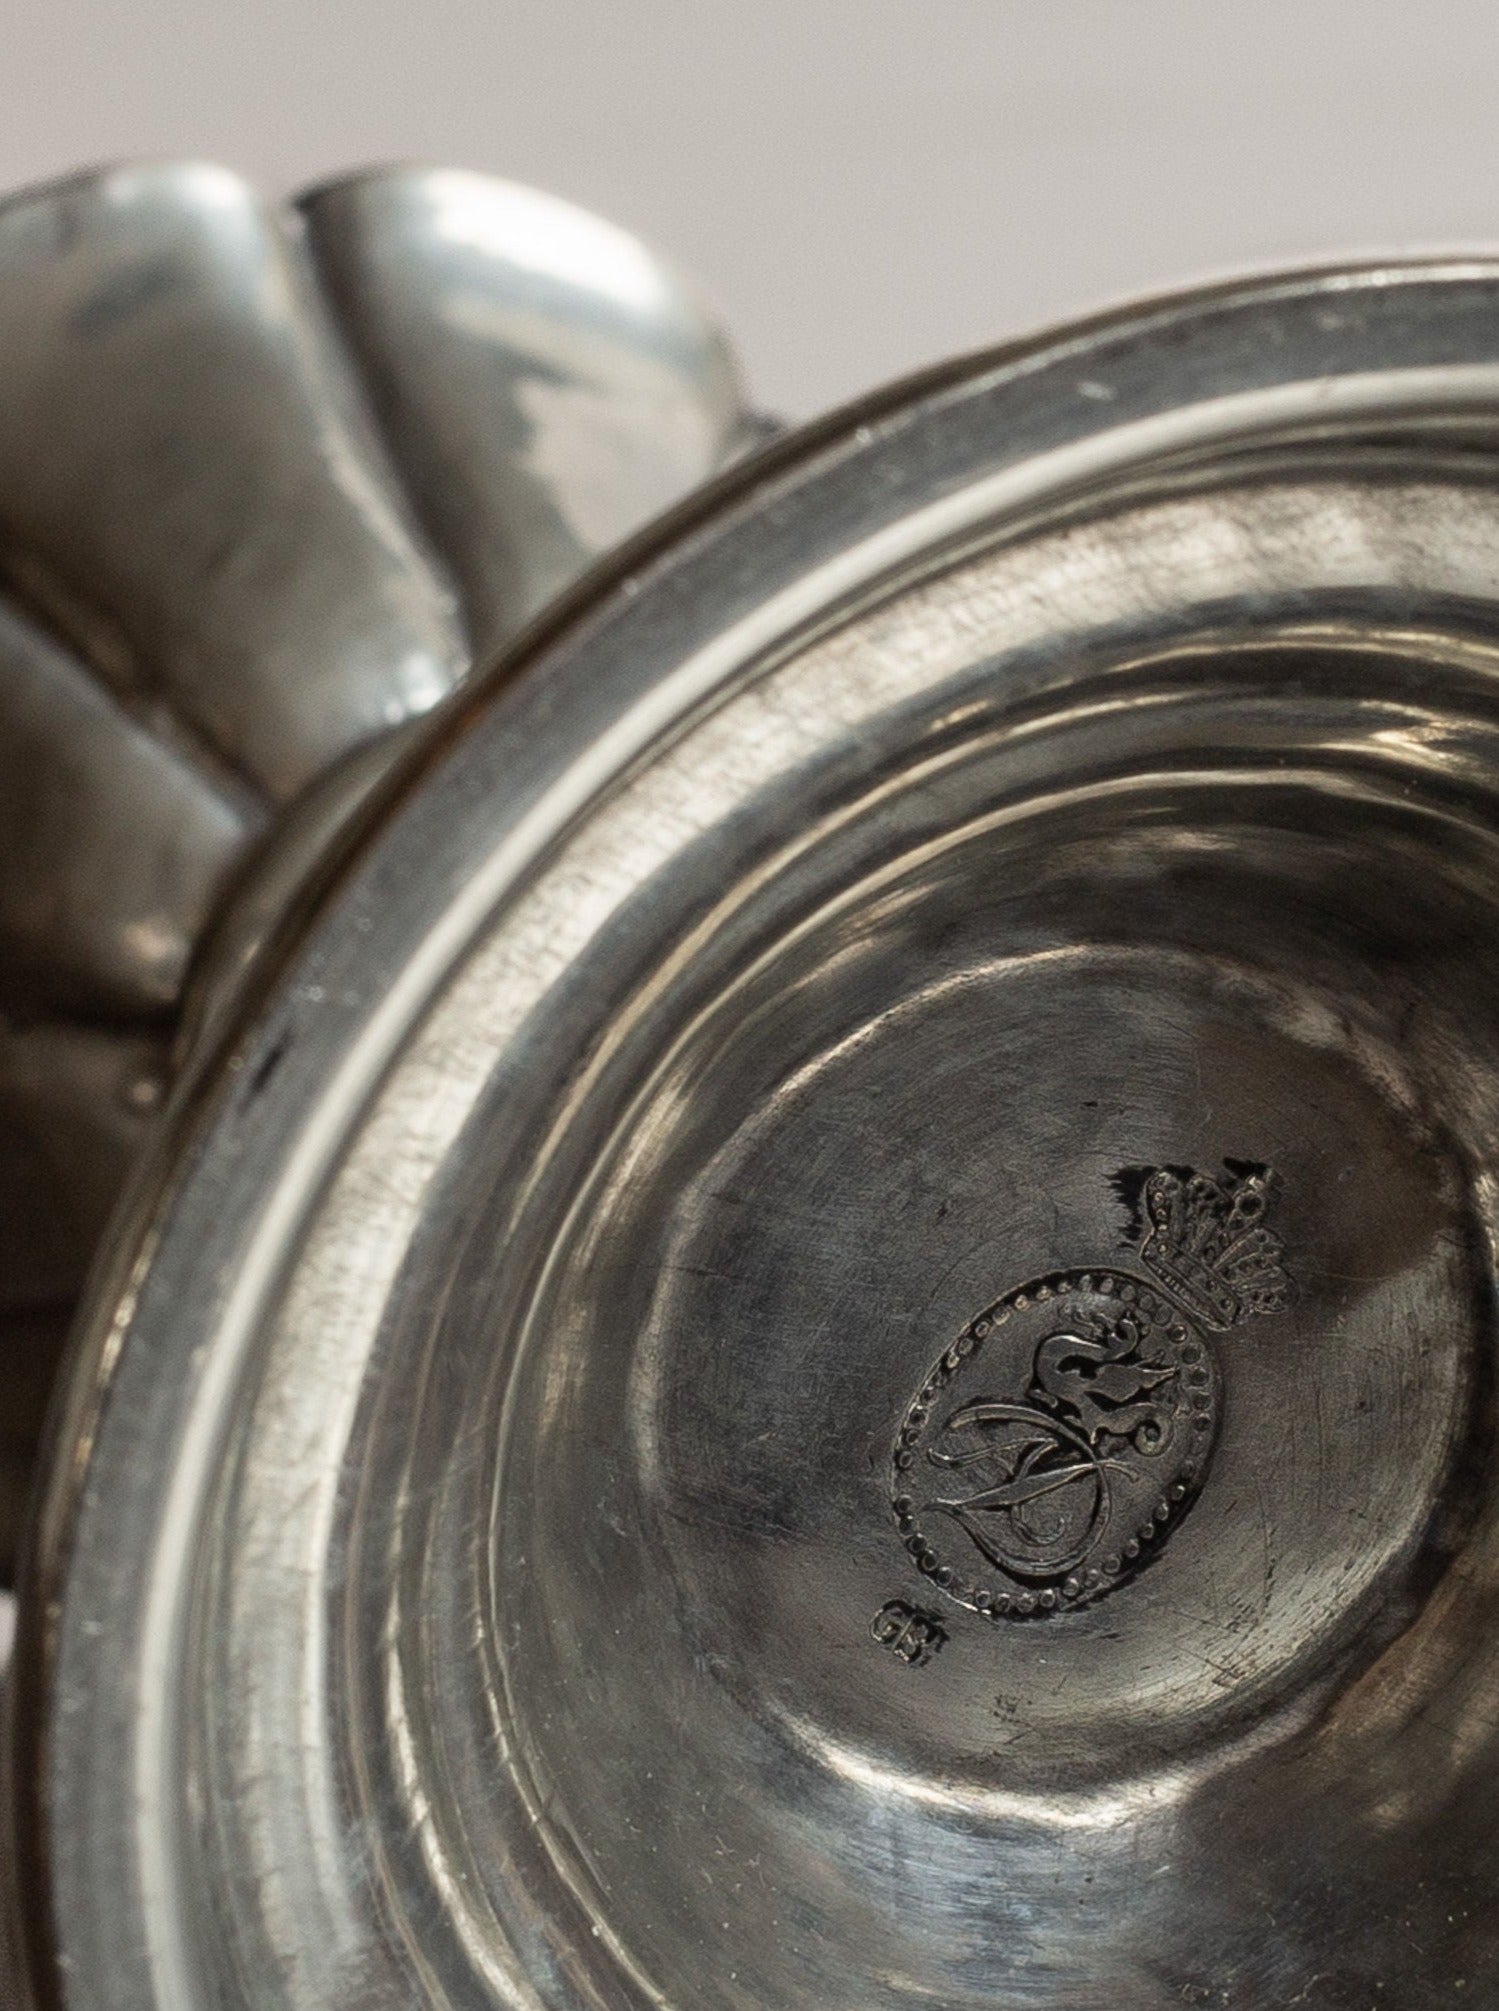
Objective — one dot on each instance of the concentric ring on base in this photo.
(970, 805)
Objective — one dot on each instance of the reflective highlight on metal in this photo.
(270, 482)
(820, 1329)
(605, 394)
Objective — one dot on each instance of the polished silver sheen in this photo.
(272, 479)
(815, 1328)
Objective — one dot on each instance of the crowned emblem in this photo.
(1068, 1429)
(1208, 1245)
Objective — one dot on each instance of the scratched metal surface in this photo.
(224, 580)
(826, 1337)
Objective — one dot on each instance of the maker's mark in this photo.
(1068, 1429)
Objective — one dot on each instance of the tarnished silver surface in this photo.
(824, 1336)
(231, 435)
(160, 334)
(604, 393)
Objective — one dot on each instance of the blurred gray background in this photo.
(861, 186)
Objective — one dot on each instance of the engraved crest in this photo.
(1069, 1428)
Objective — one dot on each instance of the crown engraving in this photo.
(1208, 1245)
(1065, 1433)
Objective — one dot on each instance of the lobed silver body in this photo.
(817, 1328)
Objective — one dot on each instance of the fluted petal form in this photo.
(545, 383)
(188, 487)
(268, 477)
(113, 841)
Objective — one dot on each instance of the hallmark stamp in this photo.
(909, 1634)
(1069, 1428)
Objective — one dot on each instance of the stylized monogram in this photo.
(1070, 1425)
